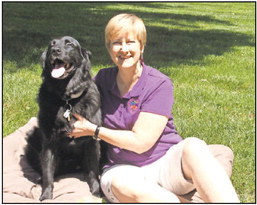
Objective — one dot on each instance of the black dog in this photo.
(67, 88)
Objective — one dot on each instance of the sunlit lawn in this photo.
(207, 49)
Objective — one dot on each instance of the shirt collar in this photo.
(136, 90)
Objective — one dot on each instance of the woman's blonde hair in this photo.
(123, 23)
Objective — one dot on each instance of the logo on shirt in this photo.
(133, 104)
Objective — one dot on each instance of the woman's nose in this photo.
(124, 47)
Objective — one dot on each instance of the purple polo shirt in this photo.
(152, 93)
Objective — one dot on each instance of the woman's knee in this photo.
(119, 182)
(194, 150)
(194, 146)
(126, 188)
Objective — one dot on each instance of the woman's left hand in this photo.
(82, 127)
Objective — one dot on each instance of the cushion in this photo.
(19, 179)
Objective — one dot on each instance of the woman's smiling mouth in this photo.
(124, 57)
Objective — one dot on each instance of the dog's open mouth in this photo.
(60, 68)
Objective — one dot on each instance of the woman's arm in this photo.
(144, 134)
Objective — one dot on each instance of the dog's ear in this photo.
(89, 54)
(86, 54)
(43, 58)
(80, 80)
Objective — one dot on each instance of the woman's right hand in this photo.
(82, 127)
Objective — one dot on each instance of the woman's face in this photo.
(125, 50)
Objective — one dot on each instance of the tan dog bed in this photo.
(19, 179)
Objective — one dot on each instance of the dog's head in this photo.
(63, 56)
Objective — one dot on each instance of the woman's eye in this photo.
(116, 43)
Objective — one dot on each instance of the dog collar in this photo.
(72, 96)
(76, 95)
(68, 106)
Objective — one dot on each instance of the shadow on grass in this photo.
(28, 27)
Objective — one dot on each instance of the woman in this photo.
(147, 160)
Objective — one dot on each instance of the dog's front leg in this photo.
(48, 162)
(91, 167)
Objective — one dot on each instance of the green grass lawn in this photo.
(207, 49)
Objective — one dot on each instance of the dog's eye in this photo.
(68, 43)
(52, 43)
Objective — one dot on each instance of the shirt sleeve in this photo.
(97, 77)
(160, 100)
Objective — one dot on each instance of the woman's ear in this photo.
(142, 49)
(142, 53)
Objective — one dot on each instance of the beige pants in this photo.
(19, 179)
(166, 172)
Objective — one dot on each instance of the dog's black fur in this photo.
(50, 150)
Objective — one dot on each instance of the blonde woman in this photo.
(148, 161)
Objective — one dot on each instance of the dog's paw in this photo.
(95, 188)
(46, 194)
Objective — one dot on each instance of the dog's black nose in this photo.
(56, 50)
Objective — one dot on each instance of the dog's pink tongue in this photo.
(57, 72)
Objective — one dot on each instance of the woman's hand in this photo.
(82, 127)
